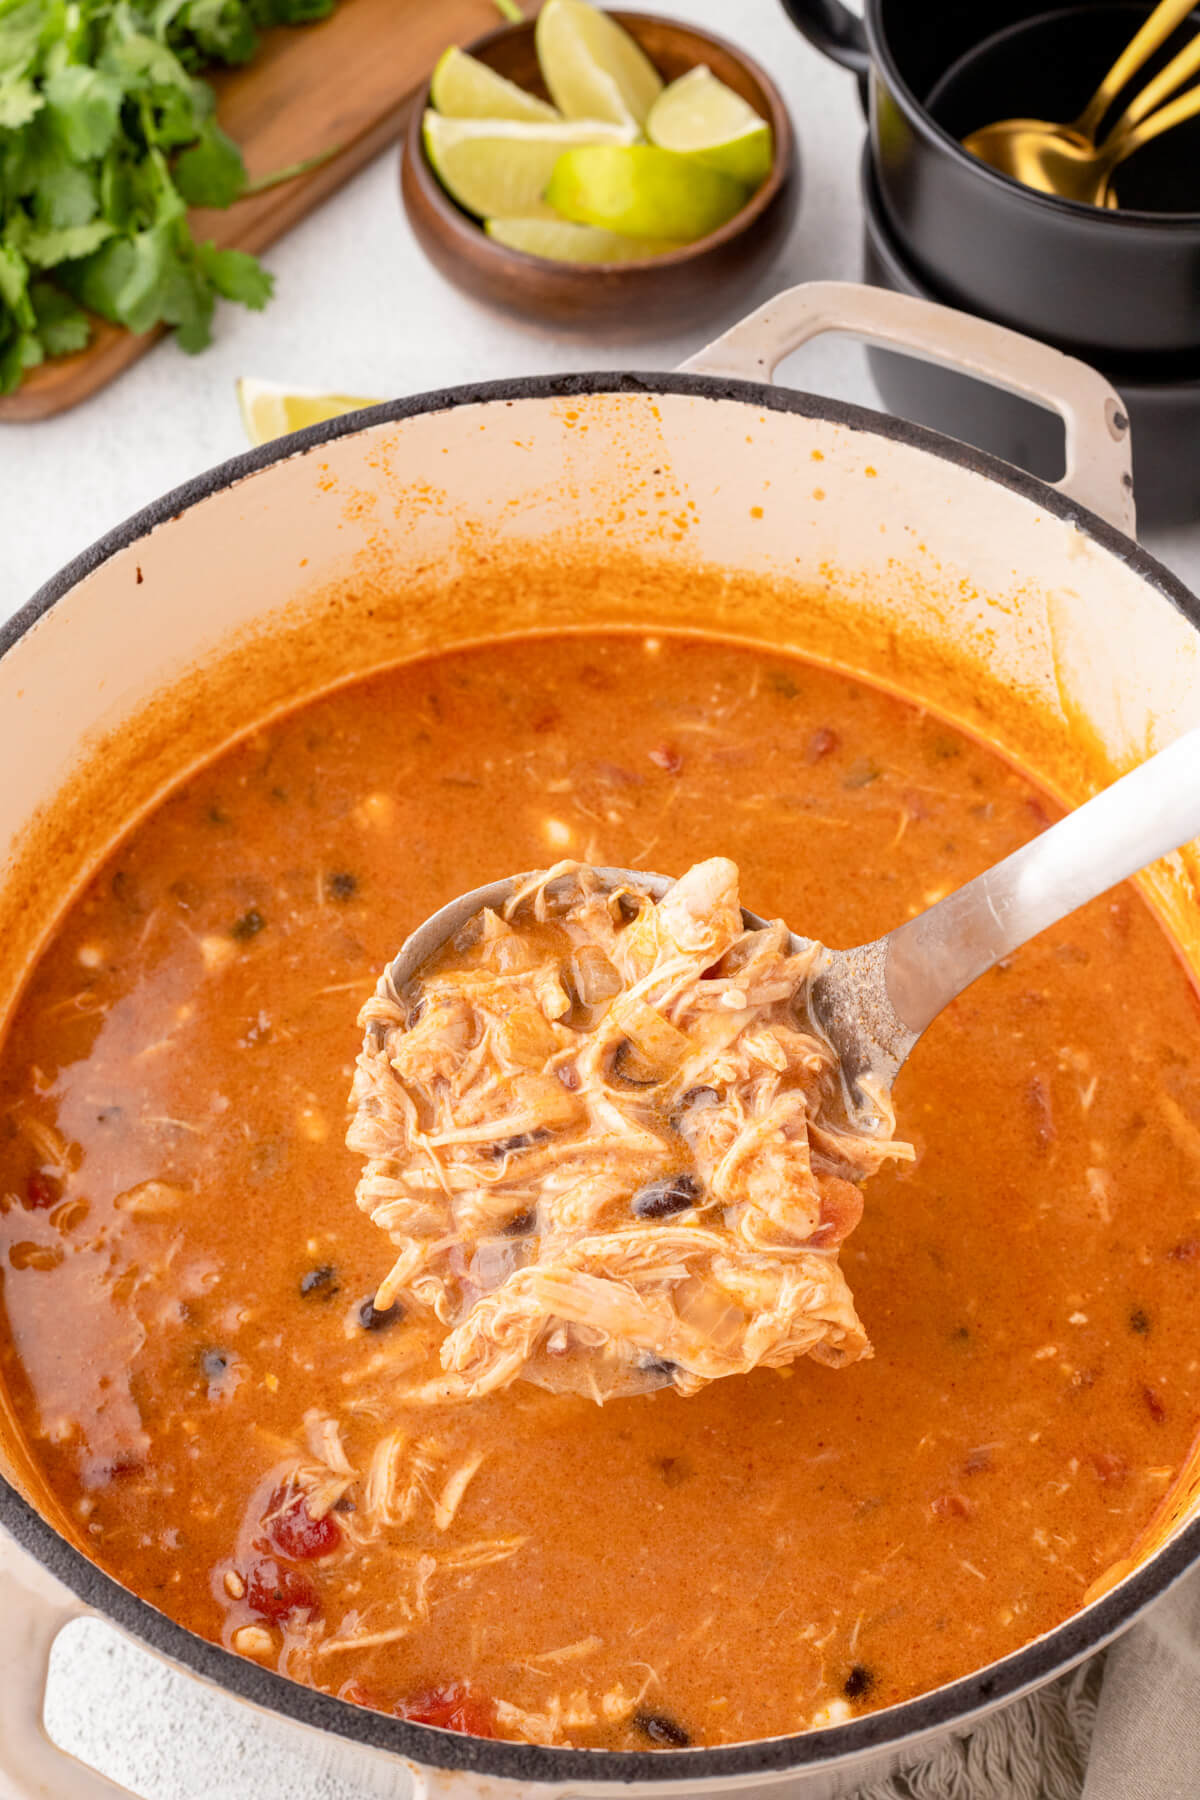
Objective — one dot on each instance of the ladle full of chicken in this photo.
(615, 1124)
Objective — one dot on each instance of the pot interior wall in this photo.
(672, 510)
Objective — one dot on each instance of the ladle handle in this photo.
(1167, 16)
(1146, 814)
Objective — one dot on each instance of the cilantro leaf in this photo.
(19, 100)
(212, 172)
(236, 276)
(21, 29)
(67, 195)
(108, 134)
(14, 285)
(46, 248)
(125, 280)
(61, 324)
(85, 105)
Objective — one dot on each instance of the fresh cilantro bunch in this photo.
(107, 136)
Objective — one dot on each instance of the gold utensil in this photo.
(1039, 153)
(1087, 175)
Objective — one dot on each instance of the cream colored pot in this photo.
(1023, 611)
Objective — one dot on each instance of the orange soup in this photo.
(216, 1404)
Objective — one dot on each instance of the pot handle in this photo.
(34, 1607)
(1099, 473)
(834, 30)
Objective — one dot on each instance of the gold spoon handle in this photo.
(1121, 144)
(1166, 17)
(1180, 69)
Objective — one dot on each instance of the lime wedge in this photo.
(270, 410)
(700, 117)
(558, 241)
(592, 67)
(642, 191)
(499, 168)
(463, 88)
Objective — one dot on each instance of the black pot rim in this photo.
(1127, 219)
(893, 1727)
(1127, 374)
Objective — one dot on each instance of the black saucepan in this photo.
(1106, 284)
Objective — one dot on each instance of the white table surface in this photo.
(358, 310)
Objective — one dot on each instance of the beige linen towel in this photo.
(1124, 1726)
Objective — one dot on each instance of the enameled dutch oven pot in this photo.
(791, 519)
(1104, 284)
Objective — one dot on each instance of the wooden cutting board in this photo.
(344, 84)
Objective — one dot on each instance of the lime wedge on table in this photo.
(464, 88)
(499, 168)
(592, 66)
(559, 241)
(699, 116)
(270, 410)
(642, 190)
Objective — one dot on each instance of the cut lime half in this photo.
(643, 191)
(499, 168)
(464, 88)
(270, 410)
(591, 65)
(699, 116)
(559, 241)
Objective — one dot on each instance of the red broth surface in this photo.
(186, 1279)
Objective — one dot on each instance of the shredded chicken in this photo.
(609, 1144)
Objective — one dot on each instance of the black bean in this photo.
(858, 1682)
(249, 925)
(320, 1283)
(629, 907)
(522, 1141)
(342, 885)
(659, 1367)
(1139, 1321)
(344, 1505)
(214, 1365)
(371, 1319)
(659, 1199)
(695, 1099)
(662, 1729)
(521, 1224)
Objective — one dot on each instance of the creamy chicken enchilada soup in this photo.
(231, 1425)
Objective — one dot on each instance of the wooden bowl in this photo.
(677, 289)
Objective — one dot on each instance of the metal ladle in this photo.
(1065, 160)
(874, 1001)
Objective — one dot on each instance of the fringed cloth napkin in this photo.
(1124, 1726)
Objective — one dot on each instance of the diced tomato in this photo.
(1110, 1468)
(667, 758)
(841, 1209)
(358, 1695)
(951, 1506)
(452, 1706)
(43, 1191)
(274, 1591)
(294, 1532)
